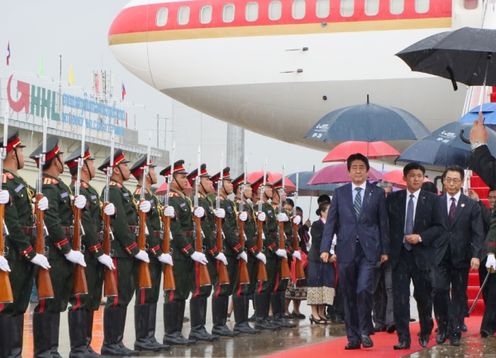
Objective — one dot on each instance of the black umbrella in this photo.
(305, 189)
(465, 55)
(367, 122)
(444, 147)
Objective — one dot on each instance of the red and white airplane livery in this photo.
(276, 66)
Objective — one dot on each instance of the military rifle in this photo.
(144, 278)
(169, 281)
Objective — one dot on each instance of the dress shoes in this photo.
(366, 341)
(484, 333)
(440, 337)
(402, 345)
(455, 340)
(391, 328)
(352, 345)
(424, 340)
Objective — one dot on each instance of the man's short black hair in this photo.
(324, 198)
(290, 202)
(413, 166)
(454, 168)
(429, 186)
(357, 156)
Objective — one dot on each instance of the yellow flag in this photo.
(71, 78)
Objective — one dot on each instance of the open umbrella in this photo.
(444, 147)
(334, 174)
(272, 178)
(367, 122)
(488, 111)
(370, 149)
(162, 189)
(311, 190)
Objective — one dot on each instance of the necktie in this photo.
(357, 203)
(409, 221)
(452, 210)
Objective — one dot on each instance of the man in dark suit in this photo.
(457, 249)
(358, 216)
(414, 222)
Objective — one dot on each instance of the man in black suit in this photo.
(457, 249)
(414, 222)
(358, 217)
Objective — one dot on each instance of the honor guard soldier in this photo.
(20, 256)
(145, 308)
(198, 303)
(84, 306)
(59, 222)
(183, 254)
(124, 253)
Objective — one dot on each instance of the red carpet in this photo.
(383, 344)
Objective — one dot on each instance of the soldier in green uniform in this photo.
(198, 302)
(20, 256)
(124, 252)
(145, 308)
(58, 221)
(183, 253)
(84, 306)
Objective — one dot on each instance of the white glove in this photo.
(80, 201)
(41, 261)
(282, 217)
(166, 259)
(297, 220)
(199, 212)
(282, 253)
(4, 197)
(143, 256)
(491, 262)
(261, 216)
(76, 257)
(221, 257)
(109, 210)
(243, 256)
(107, 261)
(4, 264)
(297, 255)
(199, 257)
(243, 216)
(145, 206)
(43, 204)
(169, 212)
(261, 256)
(220, 213)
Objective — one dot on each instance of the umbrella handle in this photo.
(463, 138)
(452, 78)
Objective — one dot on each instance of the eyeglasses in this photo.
(452, 180)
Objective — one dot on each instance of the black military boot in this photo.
(89, 334)
(198, 313)
(141, 313)
(6, 322)
(16, 336)
(241, 315)
(121, 324)
(219, 313)
(54, 337)
(114, 319)
(173, 323)
(277, 302)
(42, 333)
(262, 313)
(77, 333)
(152, 320)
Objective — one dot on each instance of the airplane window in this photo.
(162, 15)
(323, 8)
(396, 7)
(228, 13)
(371, 7)
(275, 10)
(251, 11)
(347, 8)
(206, 14)
(183, 15)
(422, 6)
(298, 10)
(471, 4)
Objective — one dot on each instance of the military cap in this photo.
(178, 169)
(13, 140)
(139, 166)
(52, 150)
(239, 181)
(72, 160)
(203, 173)
(119, 158)
(226, 175)
(257, 183)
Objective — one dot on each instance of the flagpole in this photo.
(60, 85)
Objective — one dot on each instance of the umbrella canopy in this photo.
(488, 111)
(334, 174)
(304, 189)
(162, 189)
(444, 147)
(272, 177)
(370, 149)
(395, 177)
(367, 122)
(465, 55)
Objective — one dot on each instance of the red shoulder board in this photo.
(173, 194)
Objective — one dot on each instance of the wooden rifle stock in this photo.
(169, 281)
(285, 272)
(262, 271)
(243, 276)
(109, 286)
(80, 285)
(6, 295)
(300, 273)
(202, 270)
(222, 274)
(43, 282)
(144, 278)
